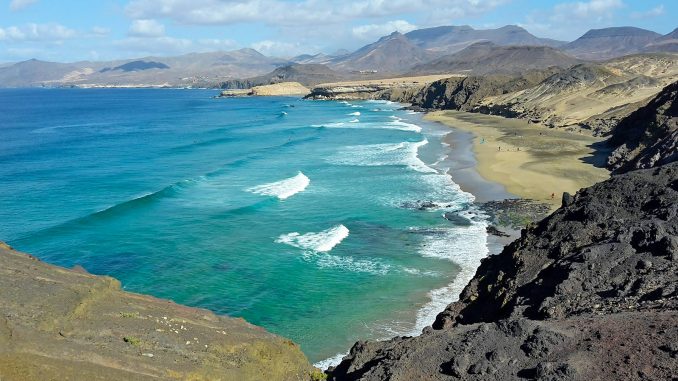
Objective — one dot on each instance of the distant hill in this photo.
(486, 57)
(195, 69)
(394, 53)
(136, 66)
(319, 58)
(665, 43)
(449, 39)
(306, 74)
(600, 44)
(31, 72)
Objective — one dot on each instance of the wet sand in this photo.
(529, 160)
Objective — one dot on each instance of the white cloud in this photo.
(568, 21)
(99, 31)
(16, 5)
(279, 48)
(306, 12)
(37, 32)
(216, 44)
(165, 45)
(373, 31)
(146, 28)
(650, 13)
(594, 9)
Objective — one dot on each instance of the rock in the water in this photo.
(496, 232)
(587, 293)
(457, 219)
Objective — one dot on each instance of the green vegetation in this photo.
(132, 340)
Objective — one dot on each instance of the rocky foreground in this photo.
(59, 324)
(589, 293)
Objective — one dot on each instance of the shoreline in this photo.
(529, 161)
(460, 164)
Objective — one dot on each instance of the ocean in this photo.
(303, 217)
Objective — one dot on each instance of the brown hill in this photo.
(391, 54)
(601, 44)
(487, 57)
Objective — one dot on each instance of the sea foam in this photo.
(284, 188)
(322, 241)
(374, 155)
(463, 245)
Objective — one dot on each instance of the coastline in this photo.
(530, 161)
(460, 164)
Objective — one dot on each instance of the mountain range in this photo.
(444, 49)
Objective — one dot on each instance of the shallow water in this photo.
(286, 212)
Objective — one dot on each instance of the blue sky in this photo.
(70, 30)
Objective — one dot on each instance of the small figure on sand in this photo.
(499, 148)
(553, 195)
(482, 141)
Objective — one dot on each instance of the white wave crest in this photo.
(348, 263)
(284, 188)
(332, 361)
(465, 246)
(374, 155)
(322, 241)
(329, 125)
(400, 125)
(357, 113)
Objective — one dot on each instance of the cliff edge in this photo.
(59, 324)
(588, 293)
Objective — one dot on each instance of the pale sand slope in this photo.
(576, 100)
(283, 88)
(549, 161)
(406, 81)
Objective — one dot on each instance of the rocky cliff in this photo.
(59, 324)
(466, 93)
(590, 96)
(589, 293)
(648, 136)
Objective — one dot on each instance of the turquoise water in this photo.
(292, 214)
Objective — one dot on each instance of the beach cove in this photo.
(294, 215)
(530, 160)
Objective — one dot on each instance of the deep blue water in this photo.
(292, 214)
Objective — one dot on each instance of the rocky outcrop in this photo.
(588, 293)
(59, 324)
(648, 136)
(466, 93)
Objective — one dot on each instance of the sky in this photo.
(75, 30)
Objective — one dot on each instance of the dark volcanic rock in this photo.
(587, 293)
(465, 93)
(649, 136)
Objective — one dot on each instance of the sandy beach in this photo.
(531, 161)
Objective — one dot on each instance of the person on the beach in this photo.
(499, 148)
(553, 195)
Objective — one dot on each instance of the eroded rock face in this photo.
(58, 324)
(588, 293)
(647, 137)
